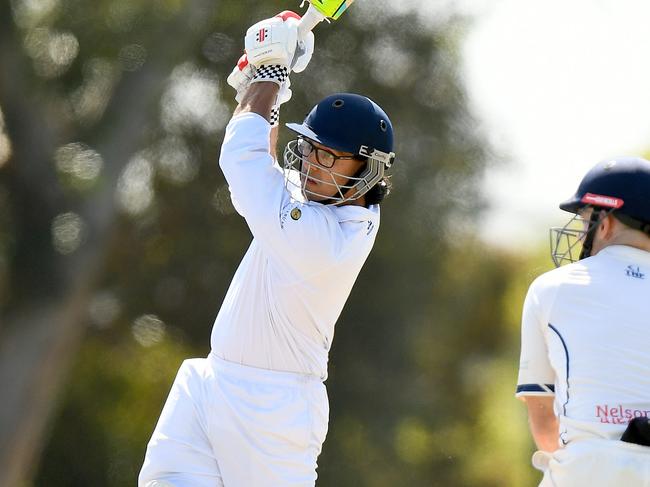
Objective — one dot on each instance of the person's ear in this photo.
(606, 227)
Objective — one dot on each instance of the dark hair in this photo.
(379, 191)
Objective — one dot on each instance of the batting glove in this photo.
(244, 73)
(275, 41)
(241, 76)
(305, 47)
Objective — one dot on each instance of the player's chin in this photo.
(317, 191)
(315, 195)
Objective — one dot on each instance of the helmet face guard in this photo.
(574, 241)
(297, 172)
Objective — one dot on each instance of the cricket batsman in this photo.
(254, 413)
(585, 346)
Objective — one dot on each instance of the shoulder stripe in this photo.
(536, 388)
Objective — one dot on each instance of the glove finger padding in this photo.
(241, 76)
(285, 93)
(305, 47)
(271, 42)
(304, 50)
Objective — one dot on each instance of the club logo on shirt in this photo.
(635, 272)
(296, 214)
(289, 211)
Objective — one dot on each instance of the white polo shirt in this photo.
(586, 339)
(283, 302)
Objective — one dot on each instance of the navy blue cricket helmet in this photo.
(621, 185)
(346, 122)
(349, 123)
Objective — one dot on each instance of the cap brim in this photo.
(571, 205)
(305, 131)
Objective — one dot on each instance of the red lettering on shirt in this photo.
(618, 415)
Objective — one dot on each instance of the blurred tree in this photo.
(108, 412)
(116, 226)
(72, 72)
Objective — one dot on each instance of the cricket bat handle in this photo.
(310, 20)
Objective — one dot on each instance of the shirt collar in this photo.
(627, 253)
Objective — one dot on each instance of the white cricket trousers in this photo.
(226, 424)
(598, 463)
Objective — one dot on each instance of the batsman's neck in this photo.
(612, 231)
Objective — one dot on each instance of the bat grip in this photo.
(310, 20)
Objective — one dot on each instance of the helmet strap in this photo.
(588, 244)
(594, 221)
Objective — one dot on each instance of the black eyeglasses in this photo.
(324, 157)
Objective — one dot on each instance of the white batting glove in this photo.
(285, 93)
(275, 41)
(243, 73)
(240, 79)
(241, 76)
(271, 42)
(305, 47)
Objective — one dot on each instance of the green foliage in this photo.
(425, 388)
(111, 404)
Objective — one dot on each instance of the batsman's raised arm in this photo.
(256, 182)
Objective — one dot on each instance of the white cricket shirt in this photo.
(283, 302)
(586, 339)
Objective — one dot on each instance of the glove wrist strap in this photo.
(276, 73)
(274, 120)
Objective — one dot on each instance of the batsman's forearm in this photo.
(273, 146)
(543, 423)
(259, 98)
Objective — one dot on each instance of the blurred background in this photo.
(118, 239)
